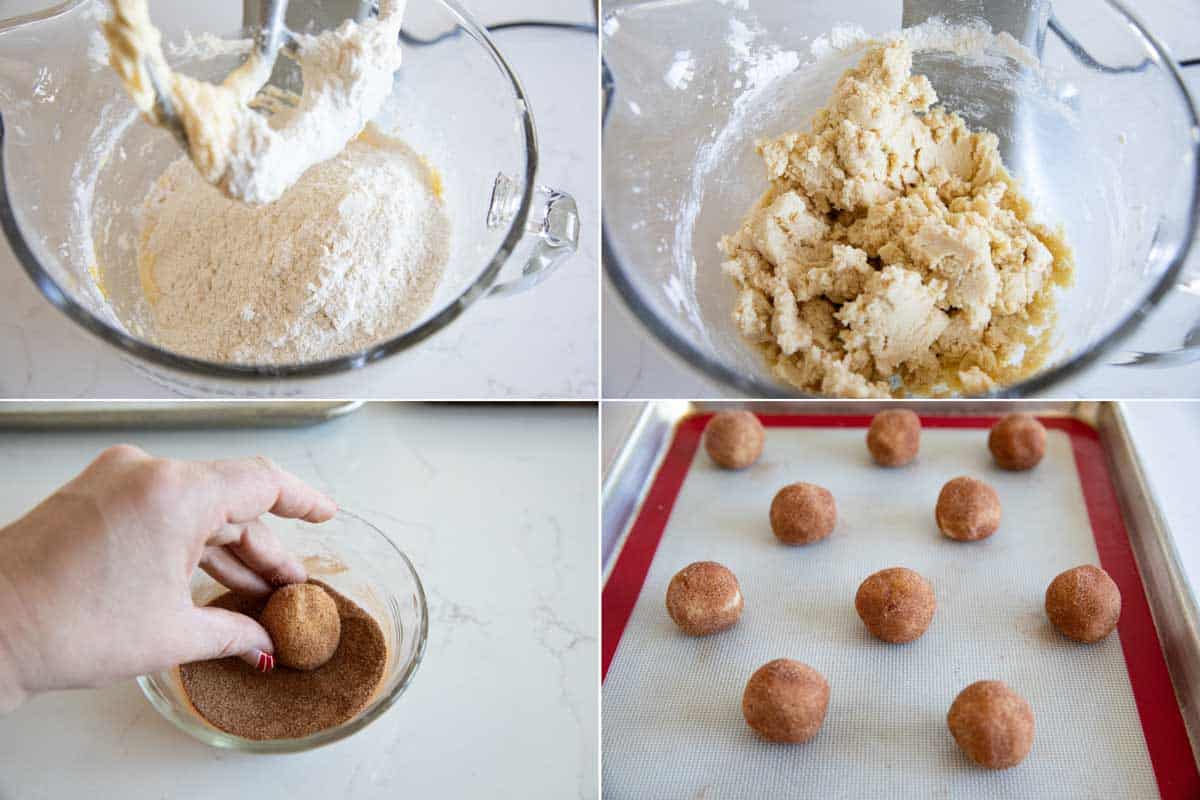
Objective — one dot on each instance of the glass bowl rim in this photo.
(478, 288)
(693, 357)
(214, 737)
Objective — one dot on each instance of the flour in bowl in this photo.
(348, 256)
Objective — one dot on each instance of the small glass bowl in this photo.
(361, 562)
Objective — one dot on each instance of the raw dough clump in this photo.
(786, 701)
(892, 252)
(1017, 442)
(1084, 603)
(894, 437)
(992, 724)
(704, 598)
(304, 625)
(734, 439)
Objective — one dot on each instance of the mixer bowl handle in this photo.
(554, 224)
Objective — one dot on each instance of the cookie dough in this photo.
(304, 625)
(1084, 603)
(704, 598)
(967, 509)
(992, 724)
(894, 437)
(892, 252)
(347, 74)
(1017, 442)
(896, 605)
(734, 439)
(803, 513)
(786, 701)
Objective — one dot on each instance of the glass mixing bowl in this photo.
(1103, 138)
(361, 562)
(76, 161)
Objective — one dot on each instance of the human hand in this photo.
(94, 580)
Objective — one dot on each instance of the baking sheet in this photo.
(672, 717)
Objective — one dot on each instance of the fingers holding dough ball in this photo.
(704, 598)
(896, 605)
(1084, 603)
(967, 510)
(786, 701)
(992, 724)
(803, 513)
(734, 439)
(1017, 442)
(303, 622)
(894, 437)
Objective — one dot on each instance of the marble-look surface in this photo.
(496, 506)
(636, 365)
(543, 343)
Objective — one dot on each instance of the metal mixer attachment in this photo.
(269, 19)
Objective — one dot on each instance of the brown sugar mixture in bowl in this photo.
(287, 703)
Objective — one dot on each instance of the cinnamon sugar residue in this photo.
(287, 703)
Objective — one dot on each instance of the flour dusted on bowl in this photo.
(892, 251)
(348, 256)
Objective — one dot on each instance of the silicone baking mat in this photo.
(1107, 720)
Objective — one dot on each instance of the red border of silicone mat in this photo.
(1162, 722)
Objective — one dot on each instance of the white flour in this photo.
(348, 256)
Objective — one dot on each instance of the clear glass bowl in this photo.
(361, 562)
(1112, 155)
(76, 161)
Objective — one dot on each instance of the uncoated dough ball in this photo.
(304, 625)
(992, 724)
(894, 437)
(1017, 441)
(786, 701)
(803, 513)
(704, 598)
(895, 604)
(734, 439)
(968, 509)
(1084, 603)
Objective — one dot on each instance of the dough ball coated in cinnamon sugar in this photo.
(1017, 442)
(704, 598)
(803, 513)
(786, 701)
(896, 604)
(894, 437)
(1084, 603)
(304, 625)
(734, 439)
(992, 724)
(968, 509)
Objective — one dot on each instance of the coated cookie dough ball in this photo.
(303, 622)
(1017, 441)
(734, 439)
(803, 513)
(704, 598)
(895, 604)
(894, 437)
(786, 701)
(992, 724)
(968, 509)
(1084, 603)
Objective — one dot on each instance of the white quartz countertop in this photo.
(542, 343)
(636, 365)
(495, 505)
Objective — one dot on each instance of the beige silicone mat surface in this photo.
(672, 721)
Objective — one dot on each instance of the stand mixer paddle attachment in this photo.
(249, 155)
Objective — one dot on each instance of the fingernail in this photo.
(261, 661)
